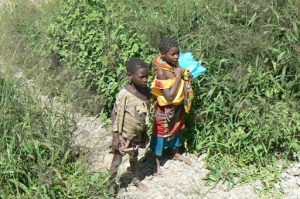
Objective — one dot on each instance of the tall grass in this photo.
(37, 160)
(24, 44)
(245, 113)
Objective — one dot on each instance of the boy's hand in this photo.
(115, 142)
(178, 72)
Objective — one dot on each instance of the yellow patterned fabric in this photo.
(158, 85)
(185, 93)
(188, 91)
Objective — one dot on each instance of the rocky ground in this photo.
(179, 180)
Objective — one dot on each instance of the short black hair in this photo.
(135, 63)
(166, 44)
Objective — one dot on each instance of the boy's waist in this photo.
(133, 132)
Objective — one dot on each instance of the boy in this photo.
(130, 117)
(173, 95)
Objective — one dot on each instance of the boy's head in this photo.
(169, 50)
(138, 71)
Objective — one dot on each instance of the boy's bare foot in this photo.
(112, 189)
(140, 185)
(181, 158)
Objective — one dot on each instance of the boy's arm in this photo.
(170, 93)
(115, 142)
(115, 137)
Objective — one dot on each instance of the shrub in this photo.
(92, 38)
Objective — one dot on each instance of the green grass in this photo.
(37, 160)
(24, 45)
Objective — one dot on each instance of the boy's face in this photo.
(140, 77)
(172, 56)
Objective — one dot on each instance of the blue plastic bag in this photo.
(186, 61)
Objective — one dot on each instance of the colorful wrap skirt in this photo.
(158, 144)
(168, 123)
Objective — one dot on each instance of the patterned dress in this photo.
(169, 115)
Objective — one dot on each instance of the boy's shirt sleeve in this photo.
(119, 108)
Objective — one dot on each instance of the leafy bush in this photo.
(91, 37)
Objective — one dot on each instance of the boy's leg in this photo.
(133, 160)
(116, 161)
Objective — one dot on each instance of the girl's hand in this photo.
(178, 72)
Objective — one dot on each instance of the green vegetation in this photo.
(246, 111)
(92, 38)
(37, 160)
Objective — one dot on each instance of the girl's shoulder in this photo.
(164, 74)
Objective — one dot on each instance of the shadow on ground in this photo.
(146, 168)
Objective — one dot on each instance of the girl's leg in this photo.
(133, 160)
(116, 161)
(157, 146)
(158, 170)
(178, 156)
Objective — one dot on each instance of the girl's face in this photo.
(172, 56)
(140, 77)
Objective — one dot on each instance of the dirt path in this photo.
(187, 181)
(179, 180)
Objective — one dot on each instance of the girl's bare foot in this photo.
(140, 185)
(158, 172)
(181, 158)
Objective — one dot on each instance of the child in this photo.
(173, 96)
(129, 120)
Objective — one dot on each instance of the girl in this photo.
(173, 92)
